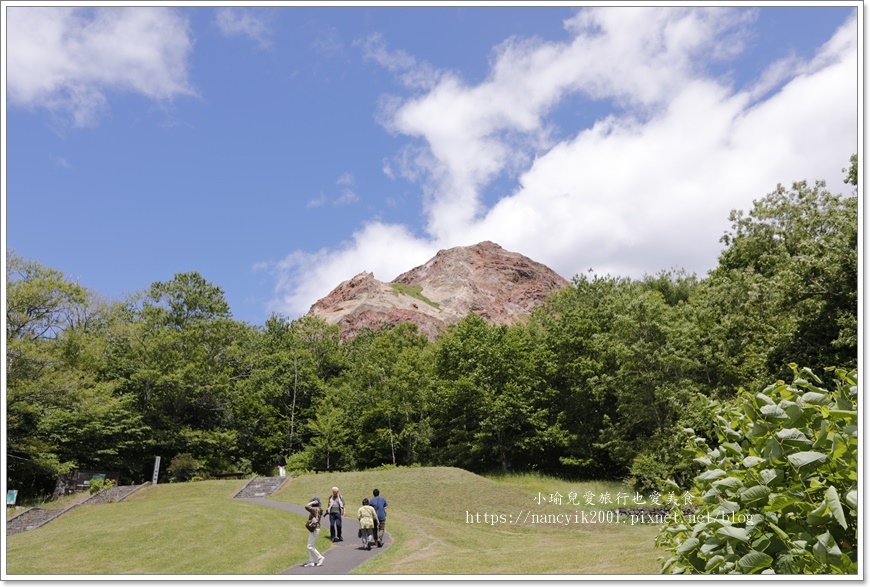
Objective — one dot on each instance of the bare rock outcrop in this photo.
(498, 285)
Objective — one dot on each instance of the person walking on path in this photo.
(282, 464)
(315, 512)
(367, 523)
(380, 506)
(335, 508)
(343, 558)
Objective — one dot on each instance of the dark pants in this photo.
(335, 525)
(379, 532)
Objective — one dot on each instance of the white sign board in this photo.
(156, 470)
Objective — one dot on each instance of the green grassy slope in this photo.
(197, 529)
(173, 529)
(429, 518)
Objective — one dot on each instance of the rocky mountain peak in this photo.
(498, 285)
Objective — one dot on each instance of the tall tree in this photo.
(61, 413)
(382, 388)
(798, 250)
(178, 354)
(284, 386)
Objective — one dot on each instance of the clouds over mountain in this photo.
(647, 185)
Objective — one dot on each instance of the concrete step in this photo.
(30, 519)
(261, 487)
(115, 494)
(36, 517)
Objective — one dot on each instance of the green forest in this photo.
(612, 378)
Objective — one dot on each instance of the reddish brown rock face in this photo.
(498, 285)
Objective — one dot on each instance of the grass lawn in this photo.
(171, 529)
(433, 518)
(435, 515)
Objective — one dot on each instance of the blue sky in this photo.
(281, 150)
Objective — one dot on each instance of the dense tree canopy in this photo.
(600, 382)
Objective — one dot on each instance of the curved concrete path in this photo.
(343, 557)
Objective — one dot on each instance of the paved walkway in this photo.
(343, 557)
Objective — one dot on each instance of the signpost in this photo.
(11, 496)
(156, 470)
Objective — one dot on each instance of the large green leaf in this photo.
(852, 499)
(764, 400)
(688, 546)
(712, 495)
(826, 547)
(793, 437)
(712, 474)
(774, 525)
(812, 398)
(773, 412)
(795, 413)
(834, 505)
(729, 482)
(733, 533)
(754, 562)
(782, 501)
(714, 562)
(818, 516)
(762, 543)
(759, 429)
(750, 462)
(767, 476)
(804, 458)
(839, 446)
(725, 507)
(732, 448)
(710, 546)
(773, 449)
(756, 496)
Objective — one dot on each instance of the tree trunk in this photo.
(392, 446)
(293, 407)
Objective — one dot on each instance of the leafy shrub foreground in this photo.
(779, 493)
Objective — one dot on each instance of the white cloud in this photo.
(317, 202)
(411, 73)
(346, 198)
(67, 59)
(62, 162)
(375, 48)
(346, 195)
(377, 248)
(234, 22)
(327, 38)
(638, 192)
